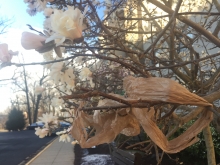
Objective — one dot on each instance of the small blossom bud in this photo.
(5, 54)
(32, 41)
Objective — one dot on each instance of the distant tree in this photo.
(3, 118)
(5, 23)
(36, 100)
(16, 120)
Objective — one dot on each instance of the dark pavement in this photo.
(15, 147)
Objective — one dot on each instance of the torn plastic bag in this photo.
(160, 89)
(181, 142)
(110, 124)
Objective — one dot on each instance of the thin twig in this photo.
(166, 27)
(93, 129)
(157, 153)
(169, 113)
(160, 160)
(147, 141)
(125, 142)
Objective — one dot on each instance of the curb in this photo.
(28, 160)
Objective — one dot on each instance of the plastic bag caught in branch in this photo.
(109, 124)
(160, 89)
(108, 127)
(183, 141)
(128, 131)
(165, 90)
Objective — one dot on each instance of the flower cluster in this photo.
(64, 135)
(56, 102)
(48, 56)
(50, 122)
(41, 132)
(61, 74)
(35, 6)
(86, 74)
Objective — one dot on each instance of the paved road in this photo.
(16, 146)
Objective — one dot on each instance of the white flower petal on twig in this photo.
(65, 138)
(41, 132)
(48, 118)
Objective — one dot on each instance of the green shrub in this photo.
(15, 120)
(197, 154)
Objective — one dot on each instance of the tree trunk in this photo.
(36, 108)
(209, 146)
(38, 101)
(27, 97)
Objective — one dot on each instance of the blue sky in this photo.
(17, 11)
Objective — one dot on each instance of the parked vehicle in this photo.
(35, 125)
(64, 125)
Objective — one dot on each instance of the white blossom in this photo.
(47, 24)
(61, 132)
(48, 11)
(41, 132)
(40, 5)
(75, 142)
(31, 12)
(65, 138)
(38, 90)
(48, 56)
(67, 24)
(64, 131)
(56, 102)
(60, 73)
(95, 2)
(68, 77)
(79, 60)
(48, 119)
(55, 73)
(35, 6)
(108, 3)
(85, 73)
(69, 129)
